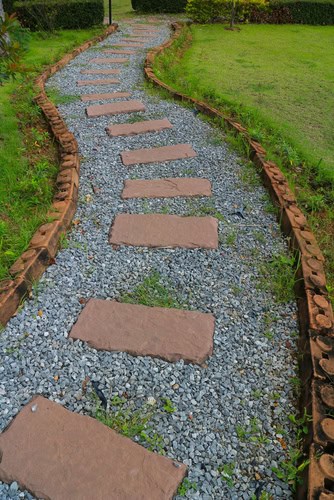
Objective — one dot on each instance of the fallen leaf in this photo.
(40, 313)
(76, 222)
(257, 476)
(282, 443)
(56, 378)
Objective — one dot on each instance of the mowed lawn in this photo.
(282, 75)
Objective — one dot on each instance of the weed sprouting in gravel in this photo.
(227, 471)
(57, 98)
(186, 486)
(279, 277)
(152, 292)
(134, 423)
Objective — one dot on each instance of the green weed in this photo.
(186, 486)
(131, 422)
(278, 277)
(152, 292)
(227, 471)
(168, 406)
(58, 98)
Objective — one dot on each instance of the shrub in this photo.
(288, 11)
(48, 15)
(159, 5)
(203, 11)
(13, 43)
(8, 6)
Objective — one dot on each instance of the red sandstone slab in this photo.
(100, 71)
(154, 155)
(107, 81)
(115, 108)
(109, 60)
(100, 97)
(137, 45)
(164, 231)
(139, 127)
(61, 455)
(120, 52)
(170, 334)
(136, 40)
(142, 34)
(166, 188)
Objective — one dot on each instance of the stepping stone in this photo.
(170, 334)
(137, 45)
(164, 231)
(107, 81)
(100, 97)
(139, 127)
(58, 454)
(140, 35)
(154, 155)
(166, 188)
(121, 52)
(100, 71)
(136, 40)
(108, 60)
(115, 108)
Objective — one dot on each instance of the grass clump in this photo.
(186, 486)
(152, 292)
(134, 423)
(57, 98)
(279, 277)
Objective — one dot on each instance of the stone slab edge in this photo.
(315, 312)
(43, 246)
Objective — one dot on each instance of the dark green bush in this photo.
(8, 6)
(48, 15)
(159, 5)
(304, 12)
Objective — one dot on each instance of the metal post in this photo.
(110, 13)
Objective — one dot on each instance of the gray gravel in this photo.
(248, 375)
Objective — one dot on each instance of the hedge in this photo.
(287, 11)
(260, 11)
(8, 6)
(48, 15)
(159, 5)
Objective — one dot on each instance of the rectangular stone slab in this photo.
(138, 45)
(100, 71)
(139, 127)
(164, 231)
(125, 52)
(170, 334)
(108, 60)
(61, 455)
(166, 188)
(142, 34)
(154, 155)
(107, 81)
(99, 97)
(136, 40)
(115, 108)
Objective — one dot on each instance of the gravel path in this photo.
(245, 386)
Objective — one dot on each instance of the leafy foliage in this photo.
(49, 15)
(159, 5)
(204, 11)
(13, 43)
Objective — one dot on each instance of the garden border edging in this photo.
(43, 245)
(314, 307)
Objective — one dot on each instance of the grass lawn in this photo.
(28, 159)
(120, 9)
(278, 81)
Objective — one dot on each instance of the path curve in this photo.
(243, 390)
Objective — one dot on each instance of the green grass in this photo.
(153, 292)
(120, 9)
(28, 158)
(278, 82)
